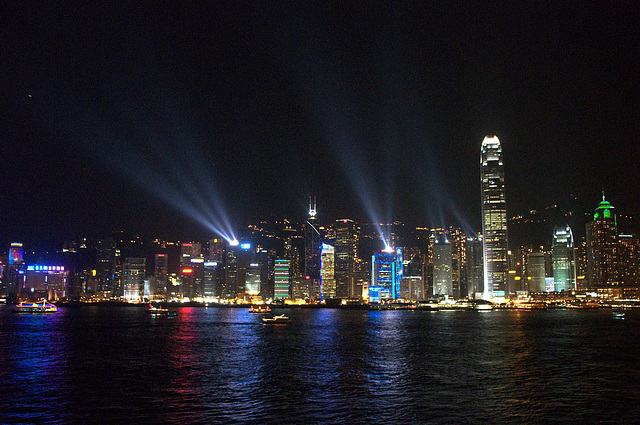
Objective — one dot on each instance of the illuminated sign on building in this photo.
(245, 245)
(39, 268)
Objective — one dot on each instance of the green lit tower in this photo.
(494, 218)
(602, 246)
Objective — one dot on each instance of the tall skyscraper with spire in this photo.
(312, 251)
(494, 218)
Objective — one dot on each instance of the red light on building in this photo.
(187, 271)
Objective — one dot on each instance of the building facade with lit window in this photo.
(282, 280)
(494, 218)
(133, 274)
(385, 284)
(327, 272)
(563, 259)
(602, 247)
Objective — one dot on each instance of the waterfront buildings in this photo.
(494, 218)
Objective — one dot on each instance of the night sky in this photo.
(115, 116)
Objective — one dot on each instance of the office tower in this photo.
(292, 253)
(494, 218)
(536, 272)
(458, 241)
(582, 264)
(161, 273)
(384, 279)
(253, 279)
(346, 253)
(213, 278)
(411, 288)
(133, 273)
(107, 267)
(193, 281)
(189, 251)
(442, 275)
(230, 285)
(629, 264)
(327, 272)
(602, 246)
(216, 250)
(312, 249)
(282, 279)
(563, 258)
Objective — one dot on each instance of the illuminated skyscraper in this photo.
(189, 251)
(563, 258)
(133, 273)
(442, 276)
(312, 249)
(230, 284)
(602, 246)
(107, 266)
(252, 280)
(346, 248)
(536, 273)
(282, 279)
(494, 218)
(473, 269)
(385, 284)
(162, 272)
(327, 272)
(216, 250)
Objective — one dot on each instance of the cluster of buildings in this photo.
(327, 262)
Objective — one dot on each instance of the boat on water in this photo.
(618, 313)
(159, 310)
(275, 320)
(583, 305)
(260, 309)
(427, 306)
(35, 308)
(531, 306)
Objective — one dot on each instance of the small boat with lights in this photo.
(35, 308)
(152, 309)
(260, 309)
(275, 320)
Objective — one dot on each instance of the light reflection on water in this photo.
(93, 364)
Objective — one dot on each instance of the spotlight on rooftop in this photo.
(234, 242)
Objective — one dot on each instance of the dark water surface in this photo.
(217, 365)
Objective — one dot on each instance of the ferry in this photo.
(583, 305)
(427, 306)
(260, 309)
(151, 309)
(531, 306)
(275, 320)
(35, 308)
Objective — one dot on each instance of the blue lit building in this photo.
(385, 275)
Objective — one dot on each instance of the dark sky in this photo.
(123, 116)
